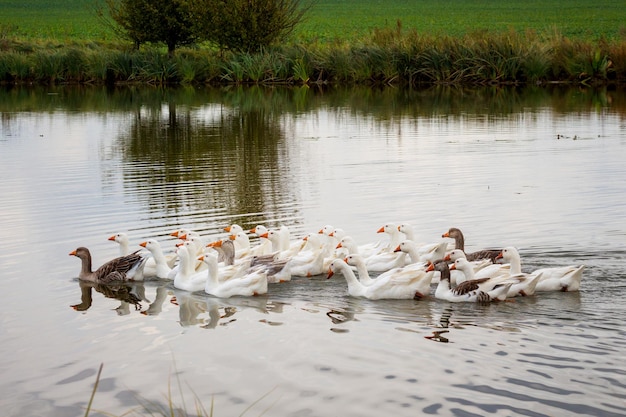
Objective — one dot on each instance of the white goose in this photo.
(415, 270)
(563, 278)
(522, 284)
(425, 253)
(124, 242)
(400, 288)
(275, 237)
(409, 232)
(365, 250)
(186, 277)
(380, 261)
(396, 236)
(244, 248)
(457, 276)
(310, 260)
(445, 292)
(240, 245)
(248, 283)
(159, 267)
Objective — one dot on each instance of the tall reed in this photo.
(386, 56)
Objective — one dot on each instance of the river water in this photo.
(541, 169)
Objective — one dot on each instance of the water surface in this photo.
(541, 169)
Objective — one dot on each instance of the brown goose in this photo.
(459, 243)
(118, 269)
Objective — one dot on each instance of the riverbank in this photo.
(387, 56)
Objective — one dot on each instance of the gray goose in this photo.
(118, 269)
(459, 243)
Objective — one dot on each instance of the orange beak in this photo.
(446, 235)
(381, 230)
(175, 234)
(143, 244)
(339, 245)
(447, 257)
(453, 266)
(264, 235)
(330, 273)
(500, 256)
(227, 229)
(73, 253)
(232, 237)
(431, 267)
(112, 237)
(183, 237)
(397, 249)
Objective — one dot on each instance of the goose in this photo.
(561, 278)
(425, 253)
(389, 287)
(122, 240)
(233, 229)
(240, 244)
(186, 277)
(422, 287)
(248, 283)
(244, 247)
(123, 268)
(329, 240)
(457, 276)
(459, 243)
(259, 230)
(366, 250)
(229, 267)
(396, 236)
(380, 261)
(445, 292)
(293, 249)
(409, 233)
(160, 266)
(310, 260)
(522, 284)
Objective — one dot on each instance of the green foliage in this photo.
(246, 25)
(166, 21)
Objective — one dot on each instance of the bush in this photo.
(246, 25)
(155, 21)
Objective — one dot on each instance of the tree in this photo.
(246, 25)
(155, 21)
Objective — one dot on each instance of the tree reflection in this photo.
(216, 155)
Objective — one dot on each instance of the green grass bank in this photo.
(350, 41)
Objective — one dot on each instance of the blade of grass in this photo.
(93, 393)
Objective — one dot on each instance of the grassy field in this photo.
(329, 20)
(341, 41)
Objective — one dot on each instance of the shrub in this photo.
(246, 25)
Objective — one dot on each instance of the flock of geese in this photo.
(394, 267)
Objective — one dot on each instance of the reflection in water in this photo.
(129, 294)
(208, 159)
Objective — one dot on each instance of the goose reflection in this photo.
(221, 311)
(156, 306)
(129, 294)
(443, 324)
(190, 307)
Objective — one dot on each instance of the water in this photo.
(540, 169)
